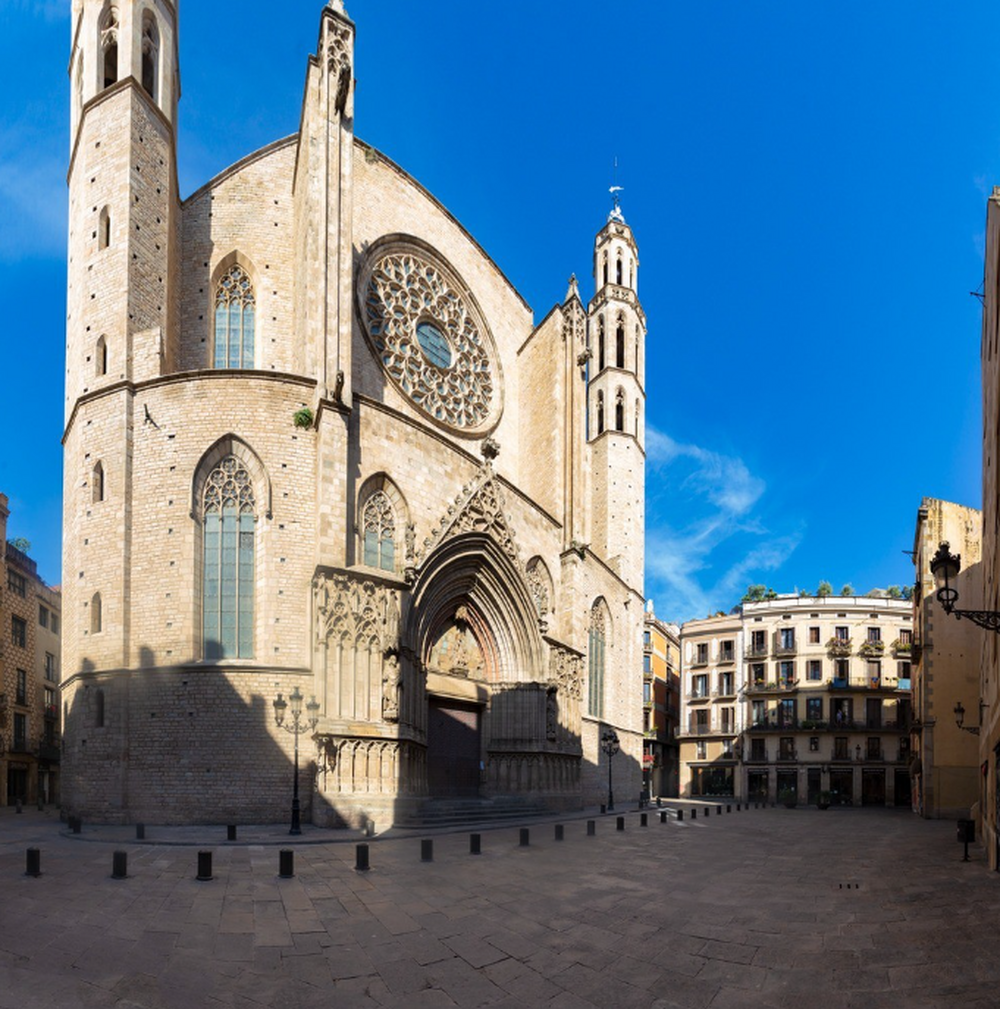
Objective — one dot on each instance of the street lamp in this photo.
(610, 745)
(944, 567)
(960, 717)
(295, 699)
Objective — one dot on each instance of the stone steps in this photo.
(455, 812)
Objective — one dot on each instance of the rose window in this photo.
(430, 339)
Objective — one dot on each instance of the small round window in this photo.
(434, 345)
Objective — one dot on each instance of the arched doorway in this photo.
(473, 628)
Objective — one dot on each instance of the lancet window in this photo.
(235, 316)
(228, 571)
(600, 343)
(619, 411)
(379, 521)
(600, 413)
(109, 46)
(620, 343)
(596, 645)
(150, 54)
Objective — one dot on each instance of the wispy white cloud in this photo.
(704, 542)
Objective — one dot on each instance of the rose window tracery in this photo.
(430, 339)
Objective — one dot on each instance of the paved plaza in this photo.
(848, 908)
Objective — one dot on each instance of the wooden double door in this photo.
(454, 748)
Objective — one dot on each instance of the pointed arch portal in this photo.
(474, 629)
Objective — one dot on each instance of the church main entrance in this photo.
(453, 748)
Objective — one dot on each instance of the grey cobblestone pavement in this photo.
(848, 909)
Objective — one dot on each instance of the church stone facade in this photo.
(314, 439)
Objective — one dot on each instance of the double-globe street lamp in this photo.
(295, 699)
(610, 745)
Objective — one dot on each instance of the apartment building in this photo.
(796, 696)
(30, 615)
(946, 656)
(711, 715)
(660, 704)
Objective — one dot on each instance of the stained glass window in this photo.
(595, 654)
(234, 320)
(228, 588)
(379, 523)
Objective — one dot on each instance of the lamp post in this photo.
(960, 717)
(610, 745)
(944, 567)
(295, 699)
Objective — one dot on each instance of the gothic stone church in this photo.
(315, 440)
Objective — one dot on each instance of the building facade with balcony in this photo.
(799, 695)
(30, 616)
(946, 654)
(711, 715)
(828, 700)
(660, 705)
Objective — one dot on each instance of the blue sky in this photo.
(806, 181)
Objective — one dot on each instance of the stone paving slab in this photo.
(771, 908)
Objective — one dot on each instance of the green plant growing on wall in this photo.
(303, 418)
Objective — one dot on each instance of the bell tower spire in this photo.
(616, 397)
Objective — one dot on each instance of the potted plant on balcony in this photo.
(788, 797)
(823, 800)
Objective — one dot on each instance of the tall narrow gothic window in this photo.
(104, 229)
(618, 272)
(600, 344)
(150, 54)
(637, 351)
(379, 533)
(620, 411)
(600, 413)
(234, 320)
(620, 343)
(228, 583)
(97, 484)
(96, 614)
(101, 357)
(637, 418)
(109, 46)
(595, 657)
(605, 267)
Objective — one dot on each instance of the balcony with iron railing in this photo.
(726, 657)
(773, 686)
(697, 694)
(840, 647)
(756, 652)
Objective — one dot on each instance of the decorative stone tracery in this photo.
(402, 290)
(479, 508)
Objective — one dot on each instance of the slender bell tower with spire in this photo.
(616, 399)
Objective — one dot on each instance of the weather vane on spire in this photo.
(616, 209)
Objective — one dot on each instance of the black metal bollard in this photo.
(231, 832)
(680, 814)
(694, 814)
(643, 819)
(591, 828)
(718, 811)
(75, 824)
(427, 850)
(18, 802)
(559, 831)
(475, 844)
(708, 811)
(286, 863)
(663, 816)
(140, 831)
(119, 865)
(33, 862)
(621, 823)
(361, 858)
(204, 866)
(525, 834)
(737, 807)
